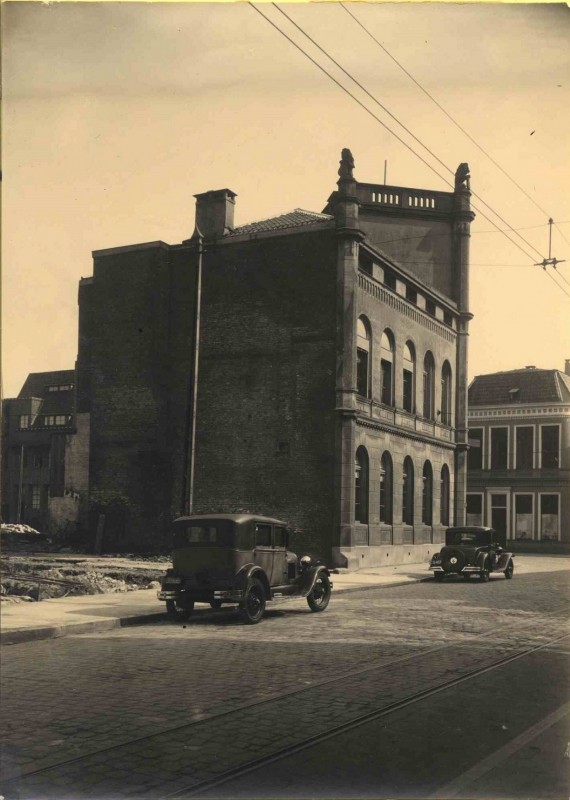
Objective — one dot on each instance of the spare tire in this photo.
(453, 561)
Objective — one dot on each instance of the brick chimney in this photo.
(567, 366)
(215, 213)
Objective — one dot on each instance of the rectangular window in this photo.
(389, 279)
(475, 454)
(523, 516)
(365, 264)
(408, 390)
(549, 446)
(499, 448)
(549, 522)
(280, 537)
(430, 308)
(25, 420)
(362, 372)
(474, 509)
(411, 295)
(61, 387)
(386, 371)
(447, 319)
(263, 535)
(36, 496)
(524, 447)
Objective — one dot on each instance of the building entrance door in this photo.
(499, 514)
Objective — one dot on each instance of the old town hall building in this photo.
(327, 385)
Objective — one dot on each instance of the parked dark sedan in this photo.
(238, 558)
(472, 551)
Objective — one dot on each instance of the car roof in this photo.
(239, 518)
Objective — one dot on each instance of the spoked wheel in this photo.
(252, 607)
(439, 576)
(320, 596)
(179, 611)
(509, 570)
(485, 572)
(215, 604)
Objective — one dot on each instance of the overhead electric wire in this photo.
(562, 289)
(447, 114)
(401, 124)
(383, 124)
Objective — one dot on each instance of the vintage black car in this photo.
(238, 558)
(472, 551)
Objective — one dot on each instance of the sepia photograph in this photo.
(285, 451)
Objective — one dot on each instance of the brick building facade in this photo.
(45, 455)
(332, 372)
(519, 462)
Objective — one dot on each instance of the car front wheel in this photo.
(252, 607)
(318, 599)
(509, 570)
(178, 610)
(485, 572)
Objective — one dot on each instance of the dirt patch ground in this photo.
(42, 576)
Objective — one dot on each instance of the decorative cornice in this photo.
(405, 434)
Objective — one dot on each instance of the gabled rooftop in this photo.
(293, 219)
(520, 386)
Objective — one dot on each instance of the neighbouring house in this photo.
(45, 455)
(519, 459)
(331, 384)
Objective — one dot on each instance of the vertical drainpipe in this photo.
(463, 216)
(190, 466)
(348, 236)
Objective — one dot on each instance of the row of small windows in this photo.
(407, 488)
(387, 375)
(60, 387)
(388, 278)
(47, 421)
(505, 450)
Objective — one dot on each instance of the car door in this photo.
(279, 574)
(263, 548)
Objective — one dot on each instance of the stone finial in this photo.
(462, 177)
(346, 164)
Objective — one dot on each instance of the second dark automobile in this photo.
(238, 558)
(472, 551)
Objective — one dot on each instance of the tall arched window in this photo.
(363, 357)
(387, 369)
(427, 494)
(444, 504)
(409, 377)
(408, 492)
(429, 371)
(446, 393)
(361, 485)
(386, 491)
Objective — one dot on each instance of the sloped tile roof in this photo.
(53, 402)
(294, 219)
(520, 386)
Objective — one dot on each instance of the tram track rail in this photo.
(379, 664)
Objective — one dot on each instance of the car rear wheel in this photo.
(319, 597)
(179, 610)
(485, 572)
(439, 576)
(509, 570)
(252, 607)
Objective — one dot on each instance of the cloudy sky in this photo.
(116, 114)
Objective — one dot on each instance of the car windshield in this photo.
(203, 533)
(472, 538)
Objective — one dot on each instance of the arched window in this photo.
(409, 377)
(444, 505)
(386, 490)
(361, 485)
(429, 370)
(427, 494)
(387, 369)
(408, 492)
(446, 393)
(363, 357)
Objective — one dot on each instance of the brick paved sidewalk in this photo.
(24, 622)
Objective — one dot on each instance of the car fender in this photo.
(250, 571)
(502, 561)
(480, 560)
(310, 577)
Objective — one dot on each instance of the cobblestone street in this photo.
(161, 708)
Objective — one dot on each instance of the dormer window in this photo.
(514, 394)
